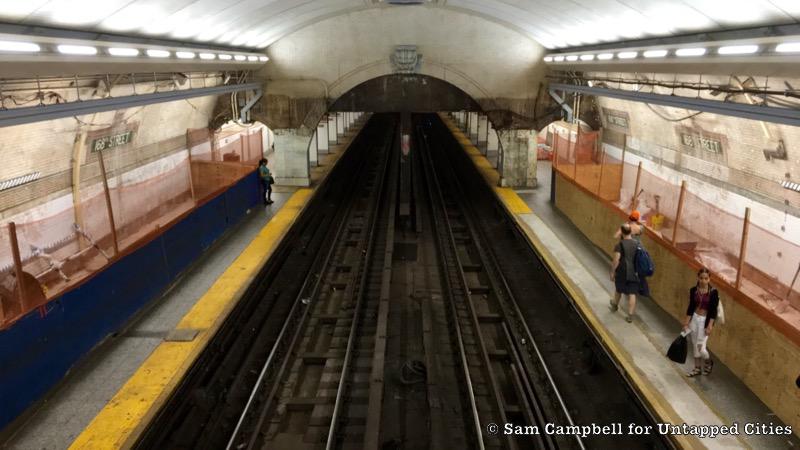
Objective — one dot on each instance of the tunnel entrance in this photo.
(405, 93)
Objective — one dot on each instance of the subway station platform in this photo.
(639, 347)
(108, 399)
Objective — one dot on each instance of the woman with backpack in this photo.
(701, 314)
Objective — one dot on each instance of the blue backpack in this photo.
(643, 262)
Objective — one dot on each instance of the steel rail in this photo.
(366, 263)
(323, 268)
(432, 182)
(479, 235)
(472, 312)
(375, 402)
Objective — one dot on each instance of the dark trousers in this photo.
(266, 190)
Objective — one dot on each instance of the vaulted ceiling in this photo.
(258, 23)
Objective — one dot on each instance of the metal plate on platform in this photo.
(182, 335)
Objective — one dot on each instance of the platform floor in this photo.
(68, 410)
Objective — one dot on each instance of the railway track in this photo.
(403, 315)
(498, 354)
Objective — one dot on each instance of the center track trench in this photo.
(405, 311)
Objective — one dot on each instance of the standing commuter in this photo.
(636, 233)
(623, 272)
(265, 176)
(701, 314)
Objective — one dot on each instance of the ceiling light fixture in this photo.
(788, 47)
(558, 58)
(605, 56)
(252, 58)
(548, 59)
(655, 53)
(207, 56)
(587, 57)
(123, 51)
(697, 51)
(14, 46)
(627, 55)
(185, 55)
(158, 53)
(572, 58)
(737, 50)
(263, 58)
(225, 57)
(240, 57)
(77, 50)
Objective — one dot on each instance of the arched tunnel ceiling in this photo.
(258, 23)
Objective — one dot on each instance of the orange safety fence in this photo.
(66, 240)
(705, 233)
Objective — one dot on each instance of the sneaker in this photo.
(613, 306)
(629, 318)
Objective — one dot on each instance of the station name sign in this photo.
(616, 119)
(705, 143)
(111, 141)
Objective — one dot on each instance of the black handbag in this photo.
(677, 351)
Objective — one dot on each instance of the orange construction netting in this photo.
(705, 233)
(67, 239)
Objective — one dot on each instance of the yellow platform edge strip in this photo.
(126, 414)
(510, 200)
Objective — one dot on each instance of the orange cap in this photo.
(635, 215)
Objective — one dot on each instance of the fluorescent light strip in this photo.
(263, 58)
(240, 57)
(788, 47)
(698, 51)
(605, 56)
(158, 53)
(587, 57)
(572, 58)
(14, 46)
(252, 58)
(77, 50)
(627, 55)
(121, 51)
(558, 58)
(737, 49)
(548, 59)
(655, 53)
(225, 57)
(207, 56)
(185, 55)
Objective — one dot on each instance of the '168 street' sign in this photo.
(114, 140)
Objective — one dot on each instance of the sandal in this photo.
(695, 372)
(708, 367)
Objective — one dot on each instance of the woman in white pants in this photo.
(700, 317)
